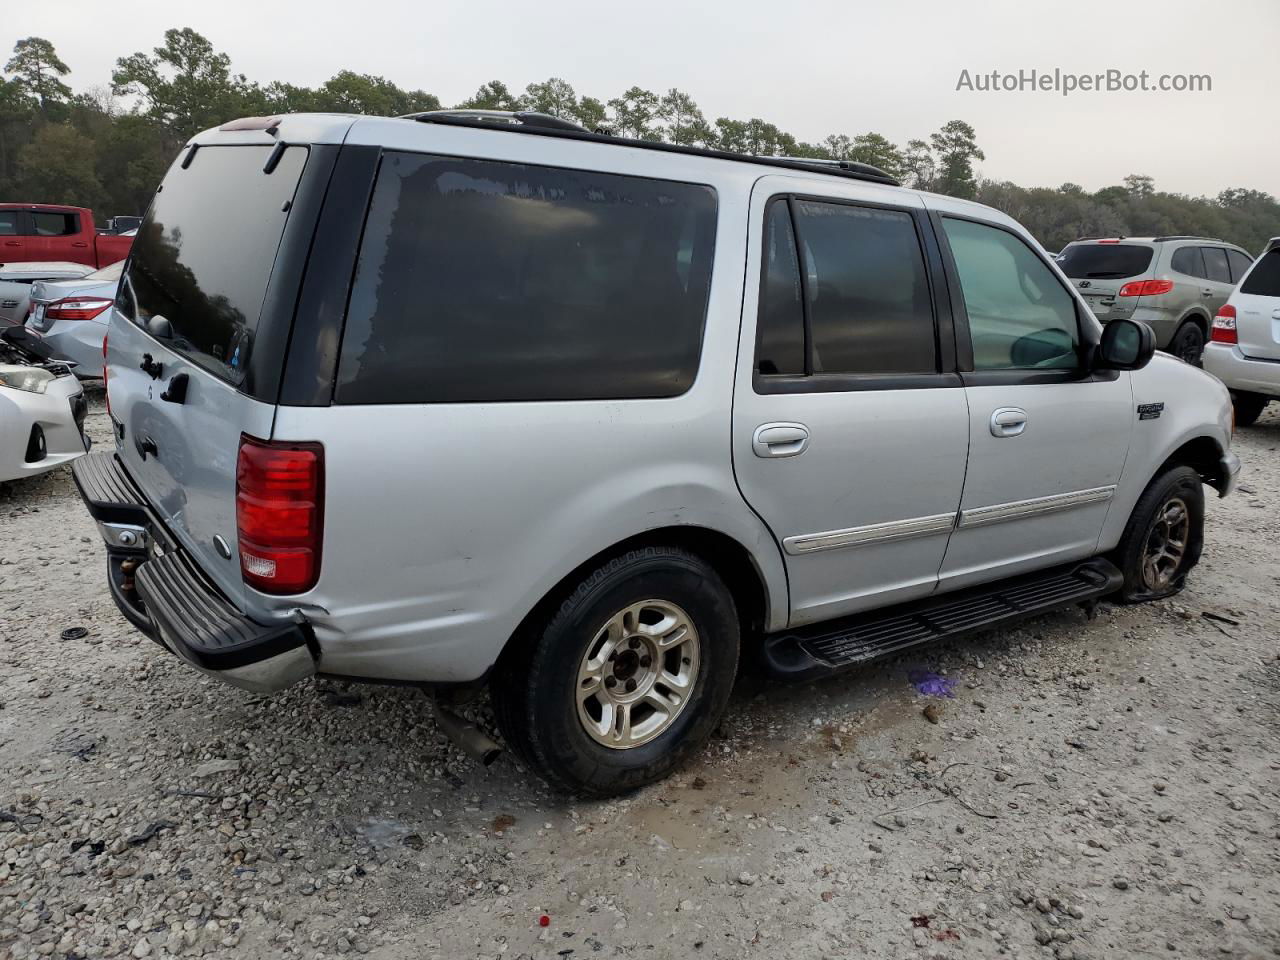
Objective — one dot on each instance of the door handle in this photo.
(780, 439)
(13, 243)
(79, 243)
(1008, 422)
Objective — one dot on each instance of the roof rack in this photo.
(1187, 237)
(543, 124)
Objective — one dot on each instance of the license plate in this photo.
(37, 315)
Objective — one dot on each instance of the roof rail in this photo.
(1187, 237)
(529, 118)
(543, 124)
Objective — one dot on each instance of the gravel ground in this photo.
(1105, 788)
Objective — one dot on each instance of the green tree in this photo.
(350, 92)
(685, 123)
(874, 149)
(1140, 185)
(635, 113)
(956, 148)
(493, 95)
(554, 96)
(591, 113)
(57, 167)
(38, 70)
(918, 165)
(185, 85)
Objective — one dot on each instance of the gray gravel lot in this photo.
(1105, 788)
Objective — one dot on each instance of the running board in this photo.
(834, 645)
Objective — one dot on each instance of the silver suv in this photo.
(465, 401)
(1175, 285)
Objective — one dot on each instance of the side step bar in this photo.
(825, 648)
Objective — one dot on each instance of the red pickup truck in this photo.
(48, 232)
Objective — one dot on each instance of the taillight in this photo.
(279, 514)
(1145, 288)
(1224, 326)
(76, 308)
(1109, 240)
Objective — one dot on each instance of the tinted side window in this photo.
(9, 223)
(1187, 261)
(1215, 263)
(1264, 278)
(870, 309)
(1020, 316)
(780, 320)
(1240, 264)
(484, 281)
(54, 224)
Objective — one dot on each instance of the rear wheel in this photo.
(1162, 541)
(627, 679)
(1188, 343)
(1249, 407)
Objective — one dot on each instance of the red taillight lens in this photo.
(1145, 288)
(1109, 241)
(279, 514)
(76, 308)
(1224, 326)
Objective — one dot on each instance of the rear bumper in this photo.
(161, 591)
(1241, 373)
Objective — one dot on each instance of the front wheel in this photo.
(1248, 407)
(627, 679)
(1163, 538)
(1188, 343)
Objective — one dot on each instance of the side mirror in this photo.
(1126, 345)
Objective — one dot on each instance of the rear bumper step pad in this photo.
(108, 492)
(201, 625)
(167, 596)
(830, 647)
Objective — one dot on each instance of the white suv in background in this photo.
(480, 400)
(1244, 344)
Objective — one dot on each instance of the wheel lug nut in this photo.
(610, 682)
(631, 685)
(645, 661)
(635, 643)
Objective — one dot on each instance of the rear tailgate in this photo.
(191, 307)
(1098, 269)
(1257, 303)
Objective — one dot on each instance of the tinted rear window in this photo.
(47, 224)
(869, 304)
(1240, 264)
(1104, 261)
(1264, 279)
(204, 253)
(486, 281)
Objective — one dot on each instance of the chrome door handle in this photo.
(1008, 422)
(780, 439)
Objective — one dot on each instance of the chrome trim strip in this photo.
(871, 533)
(1021, 509)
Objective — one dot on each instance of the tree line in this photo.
(108, 146)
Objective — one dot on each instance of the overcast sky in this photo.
(812, 67)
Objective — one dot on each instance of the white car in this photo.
(42, 411)
(68, 319)
(16, 280)
(1244, 343)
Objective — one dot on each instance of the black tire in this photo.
(1249, 407)
(1177, 484)
(1188, 343)
(534, 687)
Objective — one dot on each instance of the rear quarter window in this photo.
(486, 281)
(1264, 279)
(1104, 261)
